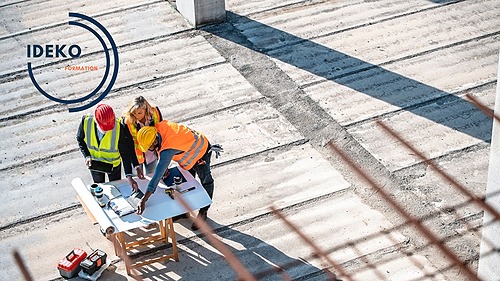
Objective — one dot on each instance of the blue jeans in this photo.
(150, 167)
(205, 175)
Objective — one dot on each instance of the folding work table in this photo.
(160, 208)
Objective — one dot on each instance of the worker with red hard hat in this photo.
(102, 139)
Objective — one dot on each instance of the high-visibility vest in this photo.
(133, 131)
(176, 136)
(107, 150)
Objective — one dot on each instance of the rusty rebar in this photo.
(477, 200)
(486, 110)
(410, 219)
(233, 261)
(317, 250)
(20, 263)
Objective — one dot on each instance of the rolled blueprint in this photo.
(102, 219)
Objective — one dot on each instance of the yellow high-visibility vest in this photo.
(107, 150)
(133, 131)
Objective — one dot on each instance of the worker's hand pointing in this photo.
(140, 173)
(142, 203)
(141, 206)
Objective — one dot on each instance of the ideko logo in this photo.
(74, 51)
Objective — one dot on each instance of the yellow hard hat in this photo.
(146, 136)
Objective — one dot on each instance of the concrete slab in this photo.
(41, 250)
(290, 184)
(269, 30)
(462, 126)
(133, 58)
(265, 242)
(193, 93)
(126, 26)
(243, 7)
(366, 46)
(399, 84)
(22, 16)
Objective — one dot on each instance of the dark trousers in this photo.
(205, 176)
(99, 177)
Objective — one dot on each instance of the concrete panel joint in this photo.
(202, 12)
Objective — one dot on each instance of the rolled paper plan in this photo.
(102, 219)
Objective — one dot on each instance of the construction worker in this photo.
(140, 113)
(101, 137)
(190, 149)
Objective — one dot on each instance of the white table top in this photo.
(158, 207)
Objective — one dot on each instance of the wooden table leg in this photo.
(123, 253)
(170, 230)
(166, 232)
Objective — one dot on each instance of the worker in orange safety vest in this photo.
(189, 148)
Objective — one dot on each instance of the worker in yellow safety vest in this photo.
(102, 139)
(189, 148)
(140, 113)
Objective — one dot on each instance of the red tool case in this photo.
(69, 266)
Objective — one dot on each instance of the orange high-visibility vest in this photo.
(133, 131)
(176, 136)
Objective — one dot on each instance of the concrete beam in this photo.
(202, 12)
(489, 258)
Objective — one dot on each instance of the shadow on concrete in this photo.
(354, 73)
(444, 1)
(202, 262)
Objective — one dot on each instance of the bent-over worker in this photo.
(102, 137)
(189, 148)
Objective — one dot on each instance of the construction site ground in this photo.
(274, 84)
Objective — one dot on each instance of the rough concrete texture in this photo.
(274, 85)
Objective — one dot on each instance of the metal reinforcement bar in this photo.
(410, 219)
(479, 201)
(234, 262)
(20, 263)
(317, 250)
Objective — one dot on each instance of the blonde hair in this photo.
(137, 102)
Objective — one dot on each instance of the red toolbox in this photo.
(93, 262)
(69, 266)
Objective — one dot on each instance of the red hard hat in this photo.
(105, 117)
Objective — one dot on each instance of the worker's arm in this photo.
(80, 138)
(127, 153)
(162, 166)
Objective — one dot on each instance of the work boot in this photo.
(202, 216)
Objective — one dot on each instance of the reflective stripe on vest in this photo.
(176, 136)
(188, 158)
(107, 150)
(133, 131)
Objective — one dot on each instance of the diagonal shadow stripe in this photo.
(361, 76)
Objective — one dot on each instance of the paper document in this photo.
(123, 206)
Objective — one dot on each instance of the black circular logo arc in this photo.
(103, 80)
